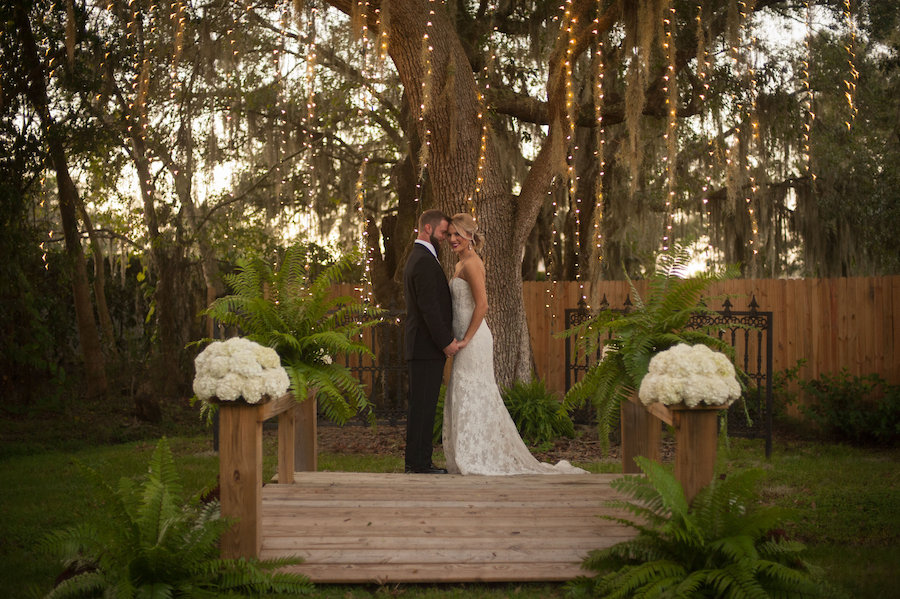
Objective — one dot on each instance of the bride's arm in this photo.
(474, 275)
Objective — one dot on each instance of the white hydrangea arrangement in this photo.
(691, 375)
(239, 368)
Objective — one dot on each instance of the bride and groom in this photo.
(447, 320)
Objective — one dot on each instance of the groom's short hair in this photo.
(432, 217)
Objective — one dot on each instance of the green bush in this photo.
(538, 415)
(146, 542)
(292, 310)
(723, 544)
(856, 409)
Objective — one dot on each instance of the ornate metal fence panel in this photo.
(749, 332)
(385, 376)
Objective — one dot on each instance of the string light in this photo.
(599, 153)
(571, 143)
(483, 125)
(382, 23)
(310, 116)
(364, 109)
(755, 143)
(670, 90)
(703, 69)
(850, 83)
(427, 59)
(808, 95)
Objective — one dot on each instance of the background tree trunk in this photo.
(36, 89)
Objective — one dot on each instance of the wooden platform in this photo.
(383, 528)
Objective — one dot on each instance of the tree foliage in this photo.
(585, 137)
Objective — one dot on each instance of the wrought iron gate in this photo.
(749, 332)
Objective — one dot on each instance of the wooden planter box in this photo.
(696, 440)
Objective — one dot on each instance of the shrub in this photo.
(723, 545)
(148, 543)
(292, 310)
(630, 339)
(856, 409)
(539, 416)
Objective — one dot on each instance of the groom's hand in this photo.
(451, 349)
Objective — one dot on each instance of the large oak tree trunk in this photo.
(450, 126)
(68, 200)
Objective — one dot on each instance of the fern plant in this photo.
(631, 339)
(305, 324)
(723, 545)
(538, 415)
(148, 543)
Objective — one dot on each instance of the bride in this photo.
(480, 437)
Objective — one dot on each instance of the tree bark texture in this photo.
(36, 90)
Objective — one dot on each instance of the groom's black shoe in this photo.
(432, 469)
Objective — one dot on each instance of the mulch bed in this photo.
(386, 439)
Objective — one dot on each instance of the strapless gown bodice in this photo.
(479, 435)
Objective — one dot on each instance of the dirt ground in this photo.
(385, 439)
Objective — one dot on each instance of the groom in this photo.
(429, 338)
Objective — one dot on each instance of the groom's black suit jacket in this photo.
(429, 317)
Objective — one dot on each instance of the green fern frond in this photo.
(176, 554)
(720, 543)
(86, 584)
(656, 323)
(298, 317)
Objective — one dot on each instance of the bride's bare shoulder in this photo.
(471, 268)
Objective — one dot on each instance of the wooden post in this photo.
(286, 436)
(696, 441)
(240, 477)
(641, 435)
(306, 450)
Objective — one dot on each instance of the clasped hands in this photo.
(454, 347)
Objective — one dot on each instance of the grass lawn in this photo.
(845, 501)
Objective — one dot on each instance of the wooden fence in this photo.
(851, 323)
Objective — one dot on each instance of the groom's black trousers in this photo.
(425, 378)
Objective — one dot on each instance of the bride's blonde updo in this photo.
(466, 226)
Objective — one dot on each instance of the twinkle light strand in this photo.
(365, 106)
(755, 143)
(703, 69)
(670, 90)
(808, 95)
(428, 60)
(382, 24)
(571, 22)
(483, 125)
(850, 82)
(310, 115)
(552, 250)
(599, 148)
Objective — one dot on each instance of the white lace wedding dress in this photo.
(480, 437)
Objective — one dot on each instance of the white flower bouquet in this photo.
(692, 375)
(239, 368)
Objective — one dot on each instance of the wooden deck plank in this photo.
(363, 527)
(423, 573)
